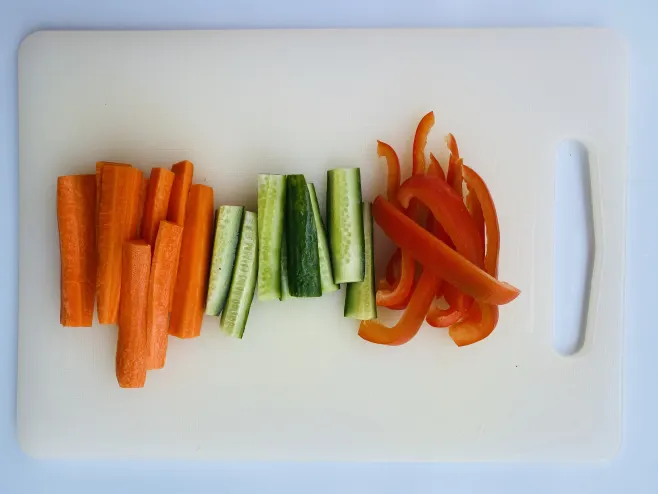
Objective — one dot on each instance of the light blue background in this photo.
(633, 471)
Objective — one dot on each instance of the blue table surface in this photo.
(633, 470)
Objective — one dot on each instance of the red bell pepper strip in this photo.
(449, 210)
(420, 141)
(412, 318)
(475, 208)
(393, 177)
(477, 326)
(390, 298)
(434, 169)
(454, 165)
(392, 276)
(482, 318)
(485, 202)
(459, 303)
(439, 258)
(402, 290)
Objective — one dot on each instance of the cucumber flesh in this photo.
(301, 240)
(345, 224)
(243, 282)
(228, 222)
(324, 256)
(271, 207)
(285, 289)
(360, 302)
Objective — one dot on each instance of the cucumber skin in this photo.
(324, 253)
(241, 319)
(338, 269)
(270, 220)
(217, 295)
(301, 240)
(356, 293)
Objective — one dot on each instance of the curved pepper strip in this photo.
(390, 298)
(481, 322)
(449, 210)
(454, 165)
(411, 320)
(434, 169)
(439, 258)
(471, 331)
(475, 208)
(460, 305)
(393, 176)
(402, 290)
(420, 142)
(490, 218)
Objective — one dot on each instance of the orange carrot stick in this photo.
(180, 191)
(142, 202)
(157, 203)
(117, 223)
(192, 278)
(131, 343)
(76, 220)
(161, 284)
(99, 175)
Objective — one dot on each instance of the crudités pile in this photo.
(153, 255)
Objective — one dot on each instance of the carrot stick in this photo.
(180, 191)
(161, 284)
(76, 220)
(156, 204)
(99, 175)
(142, 202)
(192, 278)
(117, 223)
(131, 343)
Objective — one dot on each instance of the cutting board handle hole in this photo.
(574, 246)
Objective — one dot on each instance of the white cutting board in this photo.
(302, 385)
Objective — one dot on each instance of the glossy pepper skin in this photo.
(439, 258)
(411, 320)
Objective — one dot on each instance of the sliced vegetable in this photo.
(132, 352)
(192, 278)
(393, 176)
(324, 255)
(360, 300)
(345, 224)
(460, 304)
(439, 258)
(482, 318)
(449, 210)
(142, 201)
(454, 165)
(243, 282)
(76, 221)
(156, 203)
(161, 283)
(228, 223)
(412, 318)
(420, 141)
(99, 178)
(180, 190)
(400, 291)
(478, 326)
(117, 223)
(271, 208)
(301, 240)
(285, 288)
(434, 169)
(483, 201)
